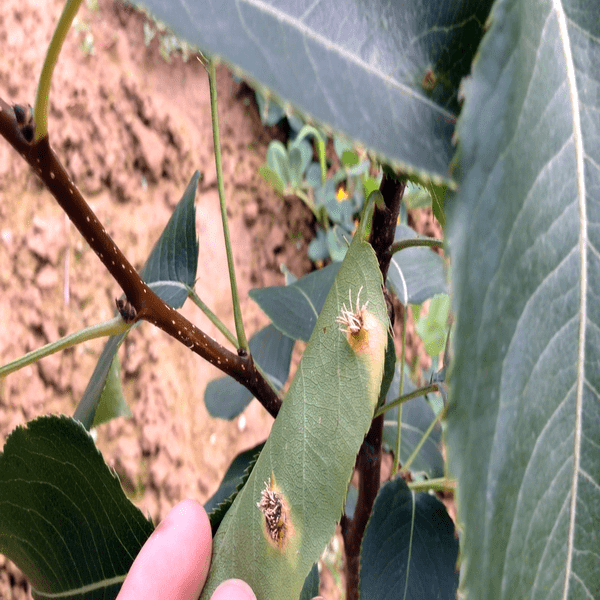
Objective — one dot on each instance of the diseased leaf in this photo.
(64, 518)
(523, 430)
(309, 456)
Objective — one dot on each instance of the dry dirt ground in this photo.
(131, 129)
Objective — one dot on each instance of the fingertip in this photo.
(175, 559)
(233, 589)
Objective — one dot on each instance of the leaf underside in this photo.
(312, 446)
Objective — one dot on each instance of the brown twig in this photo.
(368, 462)
(148, 306)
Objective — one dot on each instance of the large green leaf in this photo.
(312, 447)
(171, 266)
(524, 426)
(384, 73)
(409, 550)
(64, 518)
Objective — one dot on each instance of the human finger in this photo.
(233, 589)
(175, 559)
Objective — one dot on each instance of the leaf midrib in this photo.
(583, 243)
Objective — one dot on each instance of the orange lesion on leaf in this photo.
(359, 325)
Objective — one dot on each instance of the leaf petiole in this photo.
(40, 109)
(211, 315)
(428, 389)
(414, 242)
(242, 342)
(440, 484)
(114, 326)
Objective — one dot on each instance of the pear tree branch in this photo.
(18, 128)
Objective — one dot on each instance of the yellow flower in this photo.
(341, 194)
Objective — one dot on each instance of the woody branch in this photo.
(17, 128)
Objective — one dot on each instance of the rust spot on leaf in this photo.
(273, 505)
(358, 324)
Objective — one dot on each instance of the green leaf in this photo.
(112, 401)
(278, 161)
(416, 196)
(337, 242)
(301, 152)
(272, 178)
(294, 308)
(389, 369)
(317, 249)
(225, 398)
(409, 549)
(416, 274)
(370, 184)
(523, 430)
(433, 327)
(174, 257)
(417, 416)
(311, 585)
(438, 199)
(233, 478)
(218, 513)
(391, 67)
(296, 170)
(171, 265)
(64, 518)
(270, 112)
(310, 453)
